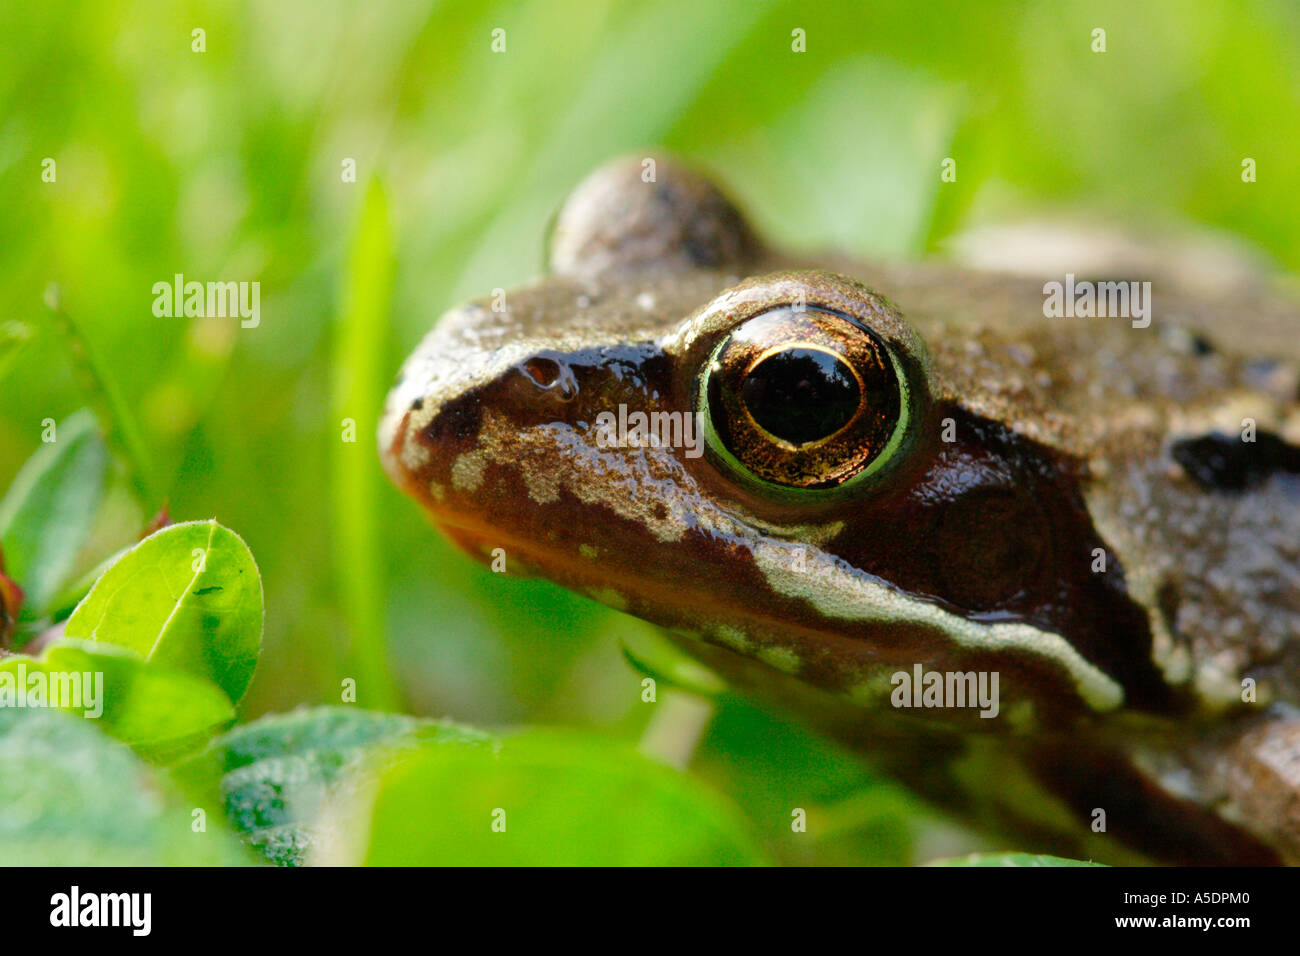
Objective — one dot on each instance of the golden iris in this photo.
(804, 398)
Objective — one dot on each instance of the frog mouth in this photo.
(771, 620)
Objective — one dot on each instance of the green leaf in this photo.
(69, 796)
(564, 800)
(47, 512)
(159, 710)
(188, 596)
(653, 654)
(1010, 859)
(272, 777)
(769, 763)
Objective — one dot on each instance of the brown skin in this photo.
(1026, 447)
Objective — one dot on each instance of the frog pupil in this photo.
(801, 395)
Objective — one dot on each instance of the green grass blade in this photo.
(121, 429)
(358, 394)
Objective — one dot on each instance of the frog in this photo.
(829, 480)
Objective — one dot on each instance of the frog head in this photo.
(680, 423)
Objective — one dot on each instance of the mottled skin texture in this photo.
(1034, 446)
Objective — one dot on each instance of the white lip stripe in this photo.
(840, 593)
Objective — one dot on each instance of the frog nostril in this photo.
(549, 374)
(542, 372)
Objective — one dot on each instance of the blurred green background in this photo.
(225, 165)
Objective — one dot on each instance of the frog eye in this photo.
(804, 398)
